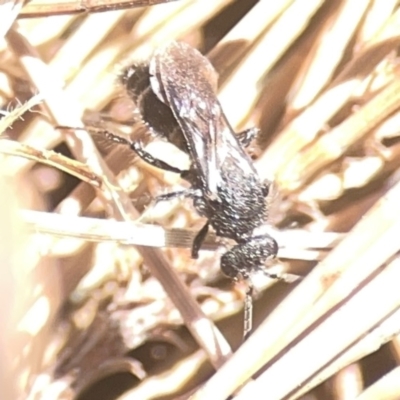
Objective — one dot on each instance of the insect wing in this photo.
(237, 157)
(185, 80)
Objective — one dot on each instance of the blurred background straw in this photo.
(99, 296)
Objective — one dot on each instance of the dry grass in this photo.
(86, 313)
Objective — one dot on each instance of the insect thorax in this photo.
(240, 207)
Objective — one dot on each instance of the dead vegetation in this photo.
(100, 298)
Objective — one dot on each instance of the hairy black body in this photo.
(176, 97)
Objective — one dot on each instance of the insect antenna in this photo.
(248, 311)
(285, 277)
(248, 300)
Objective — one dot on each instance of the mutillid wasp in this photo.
(176, 97)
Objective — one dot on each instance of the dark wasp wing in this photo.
(185, 80)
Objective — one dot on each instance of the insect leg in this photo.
(144, 155)
(189, 193)
(199, 239)
(265, 187)
(248, 311)
(247, 136)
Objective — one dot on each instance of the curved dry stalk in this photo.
(17, 113)
(328, 51)
(9, 11)
(51, 158)
(262, 57)
(332, 145)
(296, 244)
(387, 387)
(365, 345)
(36, 9)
